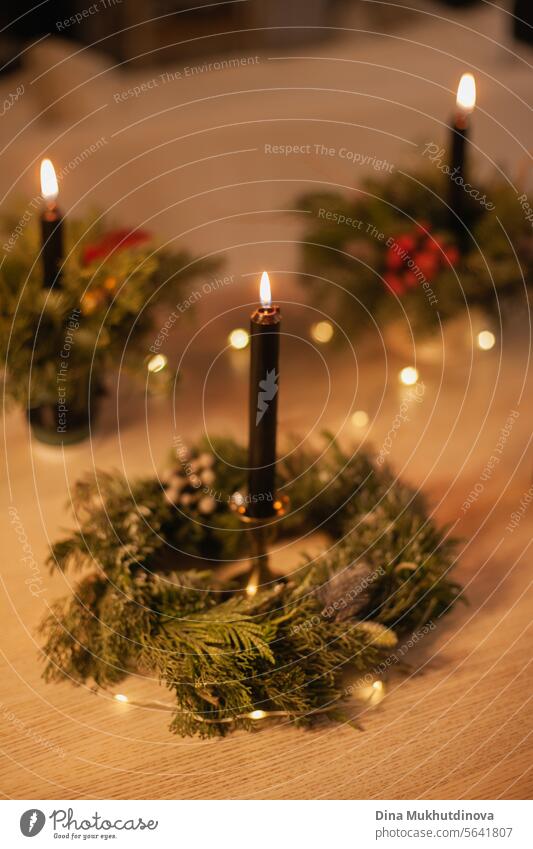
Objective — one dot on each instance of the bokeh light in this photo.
(239, 338)
(408, 376)
(157, 363)
(322, 332)
(360, 418)
(486, 340)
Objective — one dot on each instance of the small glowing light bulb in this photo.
(408, 376)
(322, 331)
(239, 338)
(120, 697)
(360, 418)
(257, 714)
(377, 693)
(251, 589)
(157, 363)
(486, 340)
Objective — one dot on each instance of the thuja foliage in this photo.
(149, 598)
(102, 313)
(391, 245)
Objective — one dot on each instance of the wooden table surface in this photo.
(459, 725)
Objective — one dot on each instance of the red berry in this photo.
(405, 243)
(452, 254)
(428, 263)
(393, 258)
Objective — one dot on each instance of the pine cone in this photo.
(186, 483)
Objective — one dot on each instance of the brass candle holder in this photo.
(262, 534)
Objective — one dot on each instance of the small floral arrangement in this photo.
(392, 249)
(61, 341)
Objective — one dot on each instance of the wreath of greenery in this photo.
(391, 245)
(111, 286)
(142, 604)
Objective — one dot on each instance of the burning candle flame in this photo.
(264, 291)
(49, 188)
(466, 94)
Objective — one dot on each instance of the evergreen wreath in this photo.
(105, 308)
(392, 245)
(224, 654)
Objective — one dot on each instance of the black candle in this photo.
(459, 138)
(466, 99)
(264, 376)
(51, 227)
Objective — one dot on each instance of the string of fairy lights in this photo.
(323, 332)
(369, 694)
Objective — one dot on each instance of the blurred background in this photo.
(135, 32)
(160, 115)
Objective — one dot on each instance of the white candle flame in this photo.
(49, 187)
(466, 94)
(264, 290)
